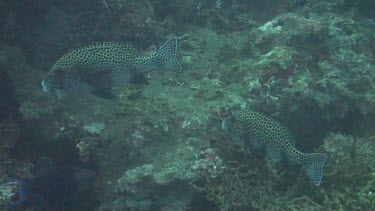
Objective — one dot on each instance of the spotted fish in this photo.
(102, 65)
(263, 133)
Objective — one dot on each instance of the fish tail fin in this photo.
(166, 56)
(313, 164)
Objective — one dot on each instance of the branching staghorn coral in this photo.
(249, 182)
(350, 173)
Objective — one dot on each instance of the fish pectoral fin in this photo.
(99, 79)
(274, 154)
(257, 144)
(105, 93)
(138, 78)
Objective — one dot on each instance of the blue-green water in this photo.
(121, 127)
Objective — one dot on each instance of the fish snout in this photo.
(224, 125)
(49, 88)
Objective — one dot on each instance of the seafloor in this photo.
(309, 64)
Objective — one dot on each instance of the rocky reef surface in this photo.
(309, 64)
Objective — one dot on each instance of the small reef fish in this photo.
(263, 133)
(102, 65)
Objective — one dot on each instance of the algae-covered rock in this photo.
(276, 61)
(94, 128)
(164, 183)
(12, 191)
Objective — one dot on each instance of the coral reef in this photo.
(164, 183)
(350, 172)
(94, 128)
(255, 183)
(36, 126)
(308, 64)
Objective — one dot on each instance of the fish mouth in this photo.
(50, 88)
(224, 125)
